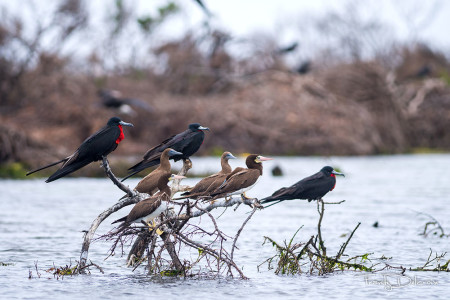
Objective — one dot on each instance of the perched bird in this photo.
(94, 148)
(149, 184)
(186, 142)
(114, 100)
(212, 182)
(310, 188)
(150, 208)
(241, 179)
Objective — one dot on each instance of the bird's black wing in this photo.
(100, 143)
(155, 152)
(92, 149)
(103, 139)
(298, 190)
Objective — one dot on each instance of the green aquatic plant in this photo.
(311, 256)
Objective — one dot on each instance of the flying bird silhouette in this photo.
(113, 99)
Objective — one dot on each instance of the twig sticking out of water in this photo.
(311, 257)
(432, 227)
(433, 264)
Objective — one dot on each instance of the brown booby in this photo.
(150, 208)
(241, 179)
(149, 184)
(212, 182)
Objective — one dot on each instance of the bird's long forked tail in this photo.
(67, 170)
(270, 199)
(139, 167)
(45, 167)
(277, 201)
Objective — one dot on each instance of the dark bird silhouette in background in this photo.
(94, 148)
(149, 184)
(212, 182)
(310, 188)
(241, 179)
(424, 71)
(304, 68)
(187, 142)
(284, 50)
(113, 99)
(150, 208)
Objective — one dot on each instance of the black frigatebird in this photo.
(212, 182)
(186, 142)
(241, 179)
(94, 148)
(150, 208)
(310, 188)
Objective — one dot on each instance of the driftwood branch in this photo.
(176, 187)
(173, 231)
(240, 230)
(132, 199)
(110, 174)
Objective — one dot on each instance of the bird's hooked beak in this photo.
(230, 156)
(203, 128)
(126, 124)
(261, 158)
(337, 173)
(173, 177)
(173, 152)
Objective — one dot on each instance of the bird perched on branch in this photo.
(94, 148)
(150, 208)
(149, 184)
(241, 179)
(310, 188)
(187, 142)
(212, 182)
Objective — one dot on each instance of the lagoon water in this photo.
(42, 223)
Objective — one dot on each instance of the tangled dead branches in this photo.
(169, 245)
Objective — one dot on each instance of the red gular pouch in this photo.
(121, 135)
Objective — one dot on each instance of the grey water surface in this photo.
(42, 223)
